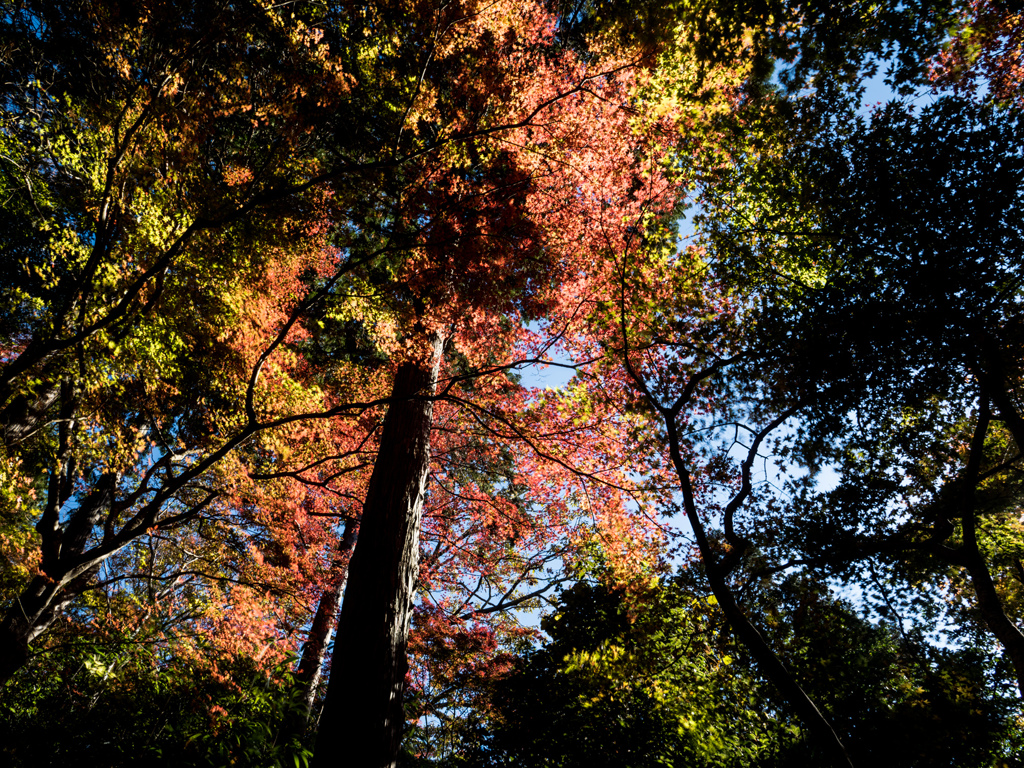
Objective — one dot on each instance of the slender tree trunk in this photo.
(990, 605)
(768, 662)
(314, 651)
(363, 716)
(771, 666)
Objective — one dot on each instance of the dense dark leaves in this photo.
(882, 255)
(650, 679)
(881, 258)
(104, 707)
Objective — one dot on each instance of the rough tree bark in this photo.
(363, 714)
(314, 650)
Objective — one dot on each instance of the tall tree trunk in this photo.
(314, 650)
(363, 714)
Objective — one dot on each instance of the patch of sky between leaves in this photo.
(544, 376)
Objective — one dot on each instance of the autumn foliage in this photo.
(278, 279)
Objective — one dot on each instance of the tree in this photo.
(145, 209)
(907, 270)
(653, 677)
(414, 482)
(893, 697)
(276, 274)
(552, 171)
(217, 217)
(986, 47)
(97, 709)
(685, 324)
(678, 378)
(637, 678)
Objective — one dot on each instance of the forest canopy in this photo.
(280, 483)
